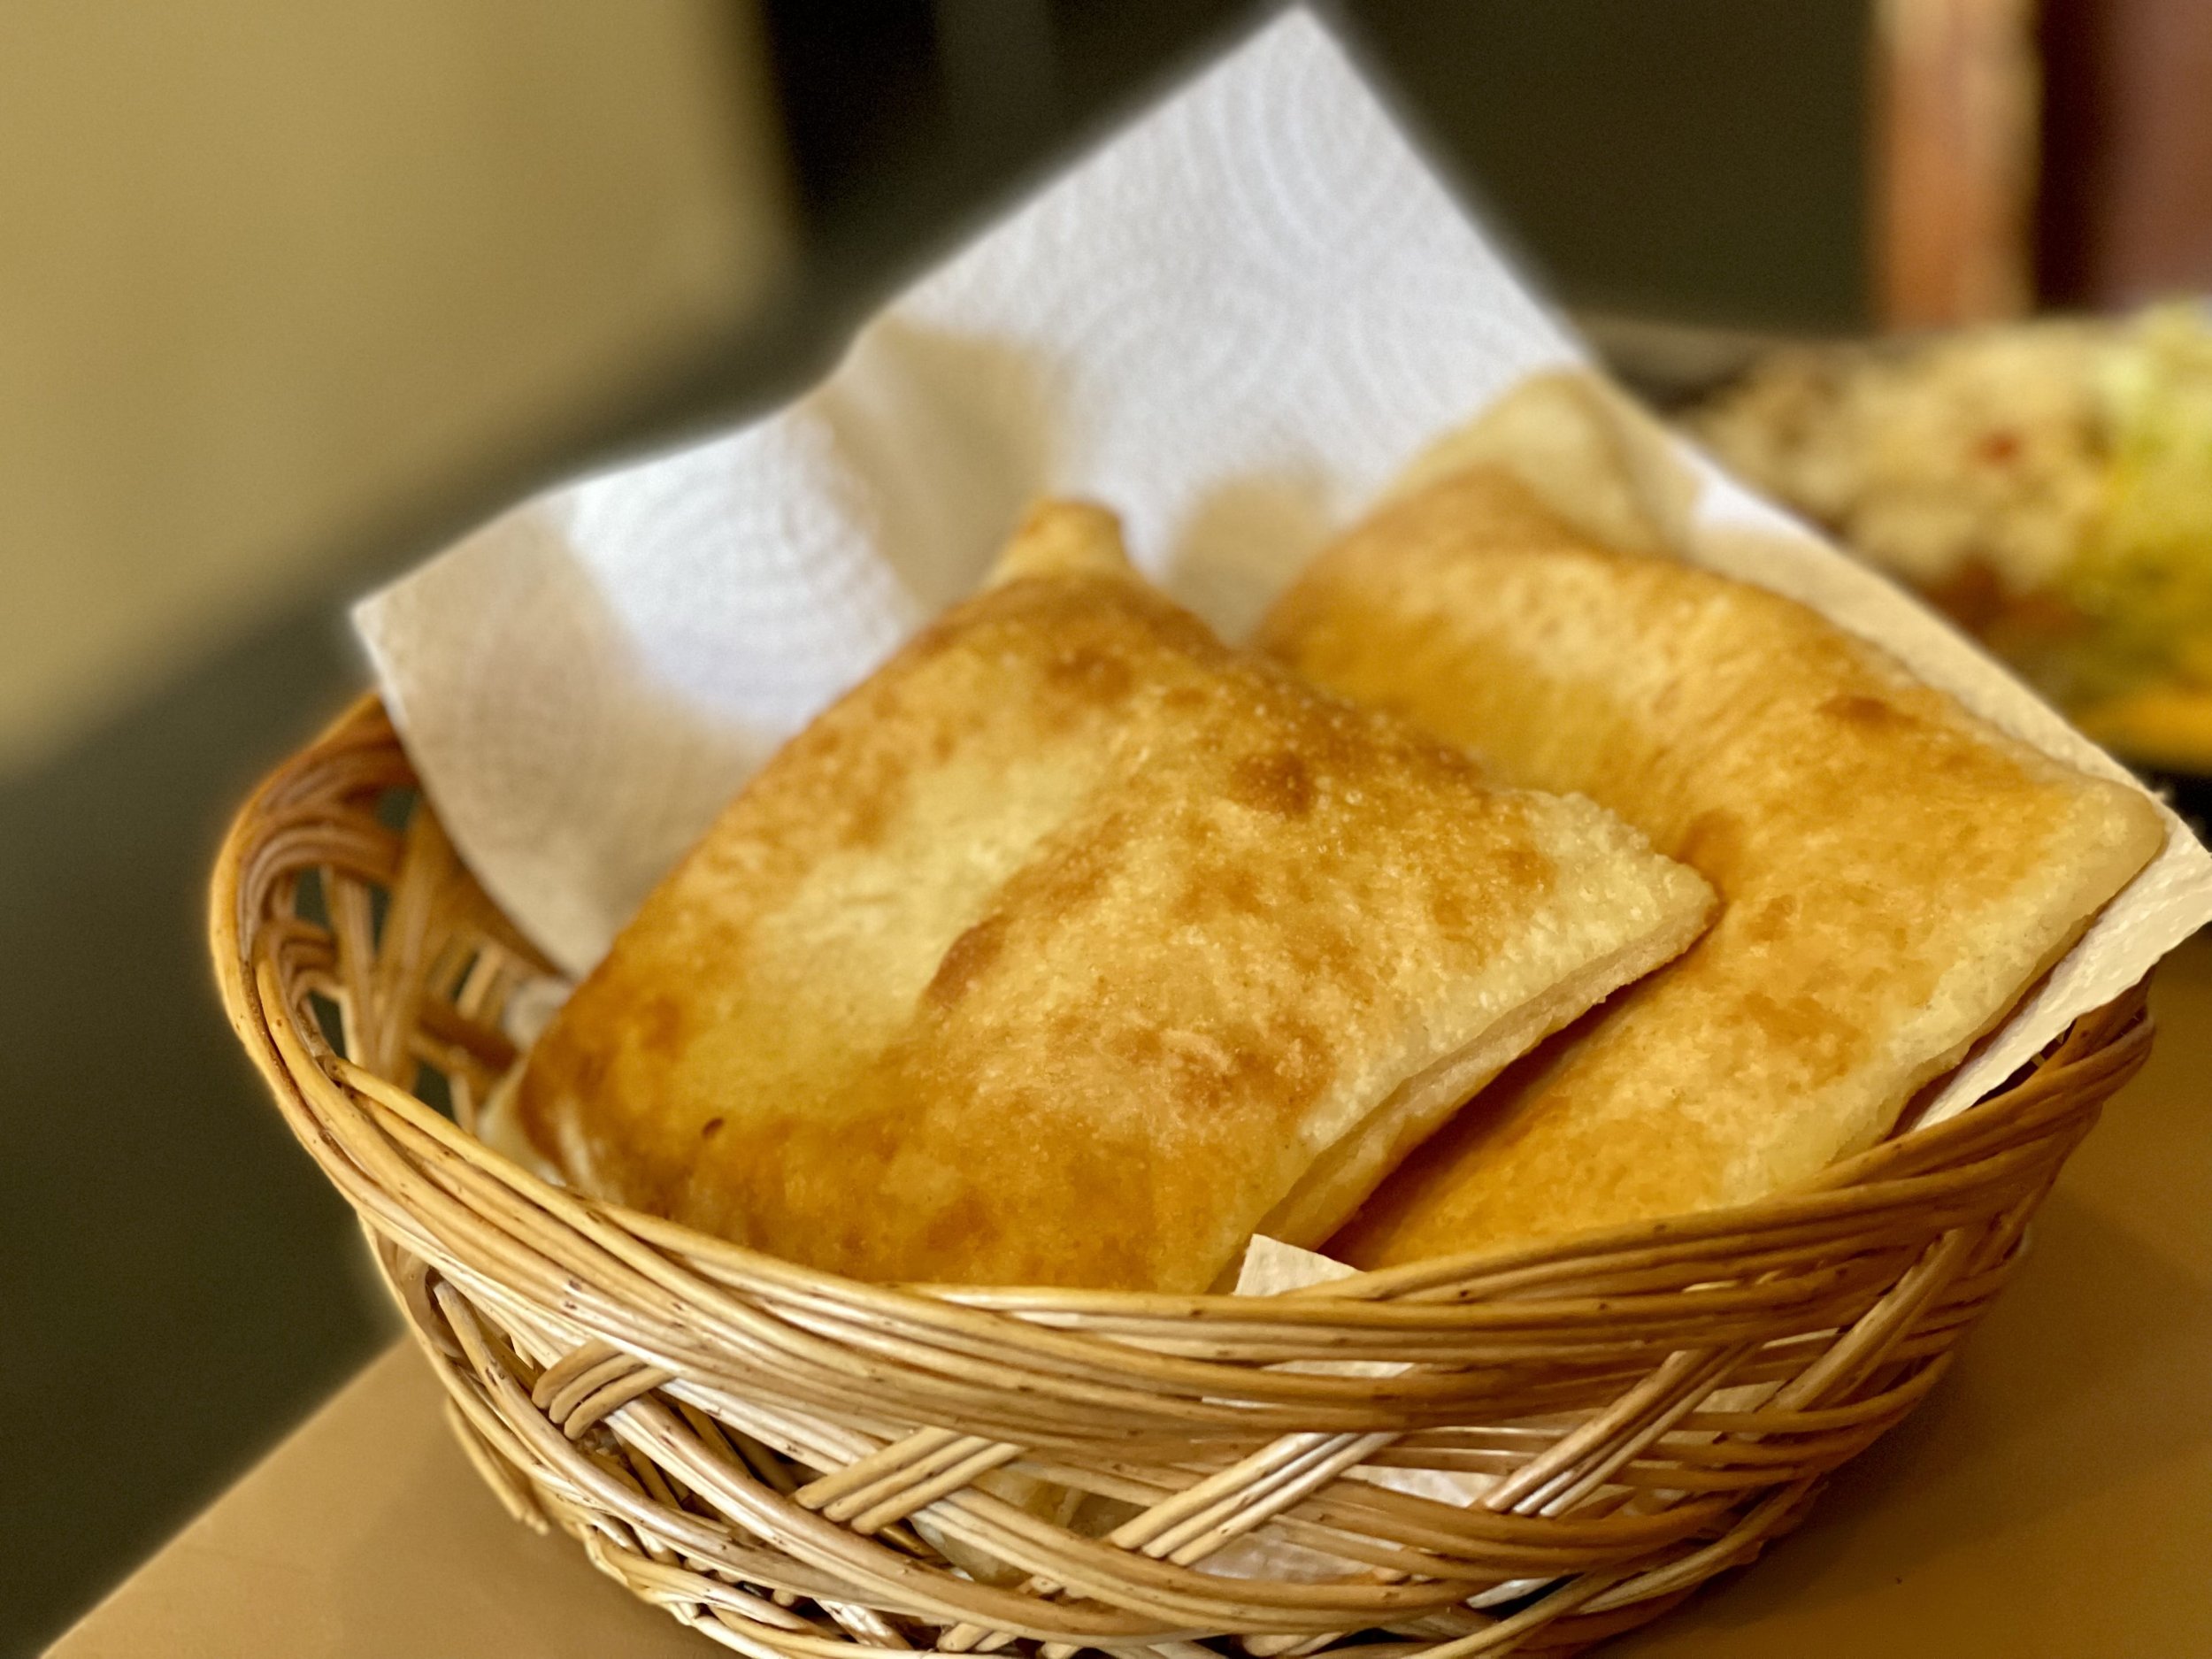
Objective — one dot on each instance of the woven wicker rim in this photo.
(796, 1464)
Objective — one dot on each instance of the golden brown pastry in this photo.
(1894, 871)
(1073, 947)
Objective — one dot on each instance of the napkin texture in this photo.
(1233, 323)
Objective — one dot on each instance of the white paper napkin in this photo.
(1233, 323)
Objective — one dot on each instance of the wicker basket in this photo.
(791, 1463)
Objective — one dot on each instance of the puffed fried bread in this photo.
(1073, 947)
(1894, 871)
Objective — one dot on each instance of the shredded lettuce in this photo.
(2141, 582)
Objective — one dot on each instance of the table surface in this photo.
(2052, 1497)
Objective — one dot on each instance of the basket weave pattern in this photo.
(793, 1463)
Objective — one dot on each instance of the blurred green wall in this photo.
(270, 273)
(1700, 160)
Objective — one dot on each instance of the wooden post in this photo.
(1954, 163)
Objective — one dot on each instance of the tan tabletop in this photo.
(2052, 1497)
